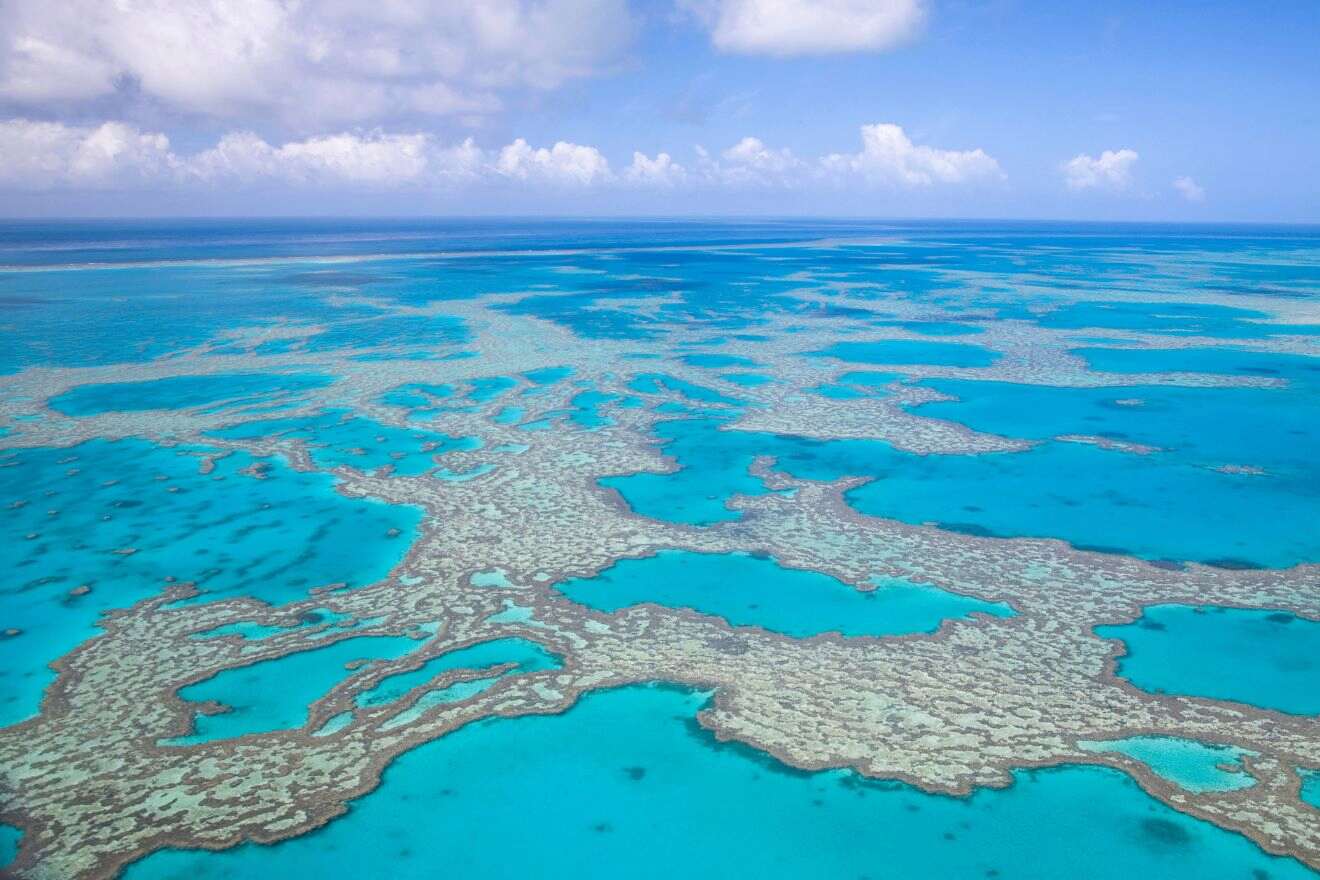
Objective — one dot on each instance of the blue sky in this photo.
(1180, 111)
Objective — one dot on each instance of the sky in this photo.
(1182, 111)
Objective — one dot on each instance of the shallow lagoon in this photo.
(122, 517)
(1266, 658)
(186, 392)
(944, 354)
(746, 590)
(525, 655)
(1186, 763)
(626, 785)
(1275, 429)
(335, 438)
(1093, 498)
(275, 694)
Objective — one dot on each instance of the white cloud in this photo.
(562, 163)
(807, 27)
(660, 171)
(51, 155)
(1189, 189)
(43, 155)
(1113, 170)
(751, 162)
(375, 158)
(889, 156)
(331, 61)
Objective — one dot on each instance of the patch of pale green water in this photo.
(102, 525)
(464, 476)
(494, 578)
(1189, 764)
(626, 784)
(1266, 658)
(185, 392)
(512, 613)
(275, 694)
(747, 590)
(253, 631)
(527, 657)
(511, 448)
(334, 724)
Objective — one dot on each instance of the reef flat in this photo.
(471, 498)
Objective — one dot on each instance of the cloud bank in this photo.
(52, 155)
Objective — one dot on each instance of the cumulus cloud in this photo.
(889, 156)
(562, 163)
(660, 171)
(751, 162)
(807, 27)
(48, 155)
(52, 155)
(1112, 171)
(1189, 189)
(374, 158)
(41, 155)
(332, 61)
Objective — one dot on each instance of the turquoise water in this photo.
(1186, 319)
(658, 383)
(527, 657)
(1271, 428)
(186, 392)
(626, 785)
(746, 590)
(1311, 788)
(275, 694)
(1192, 765)
(872, 380)
(10, 838)
(122, 517)
(247, 629)
(1094, 498)
(417, 396)
(717, 361)
(1269, 659)
(935, 328)
(338, 439)
(1296, 369)
(944, 354)
(488, 388)
(747, 380)
(632, 790)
